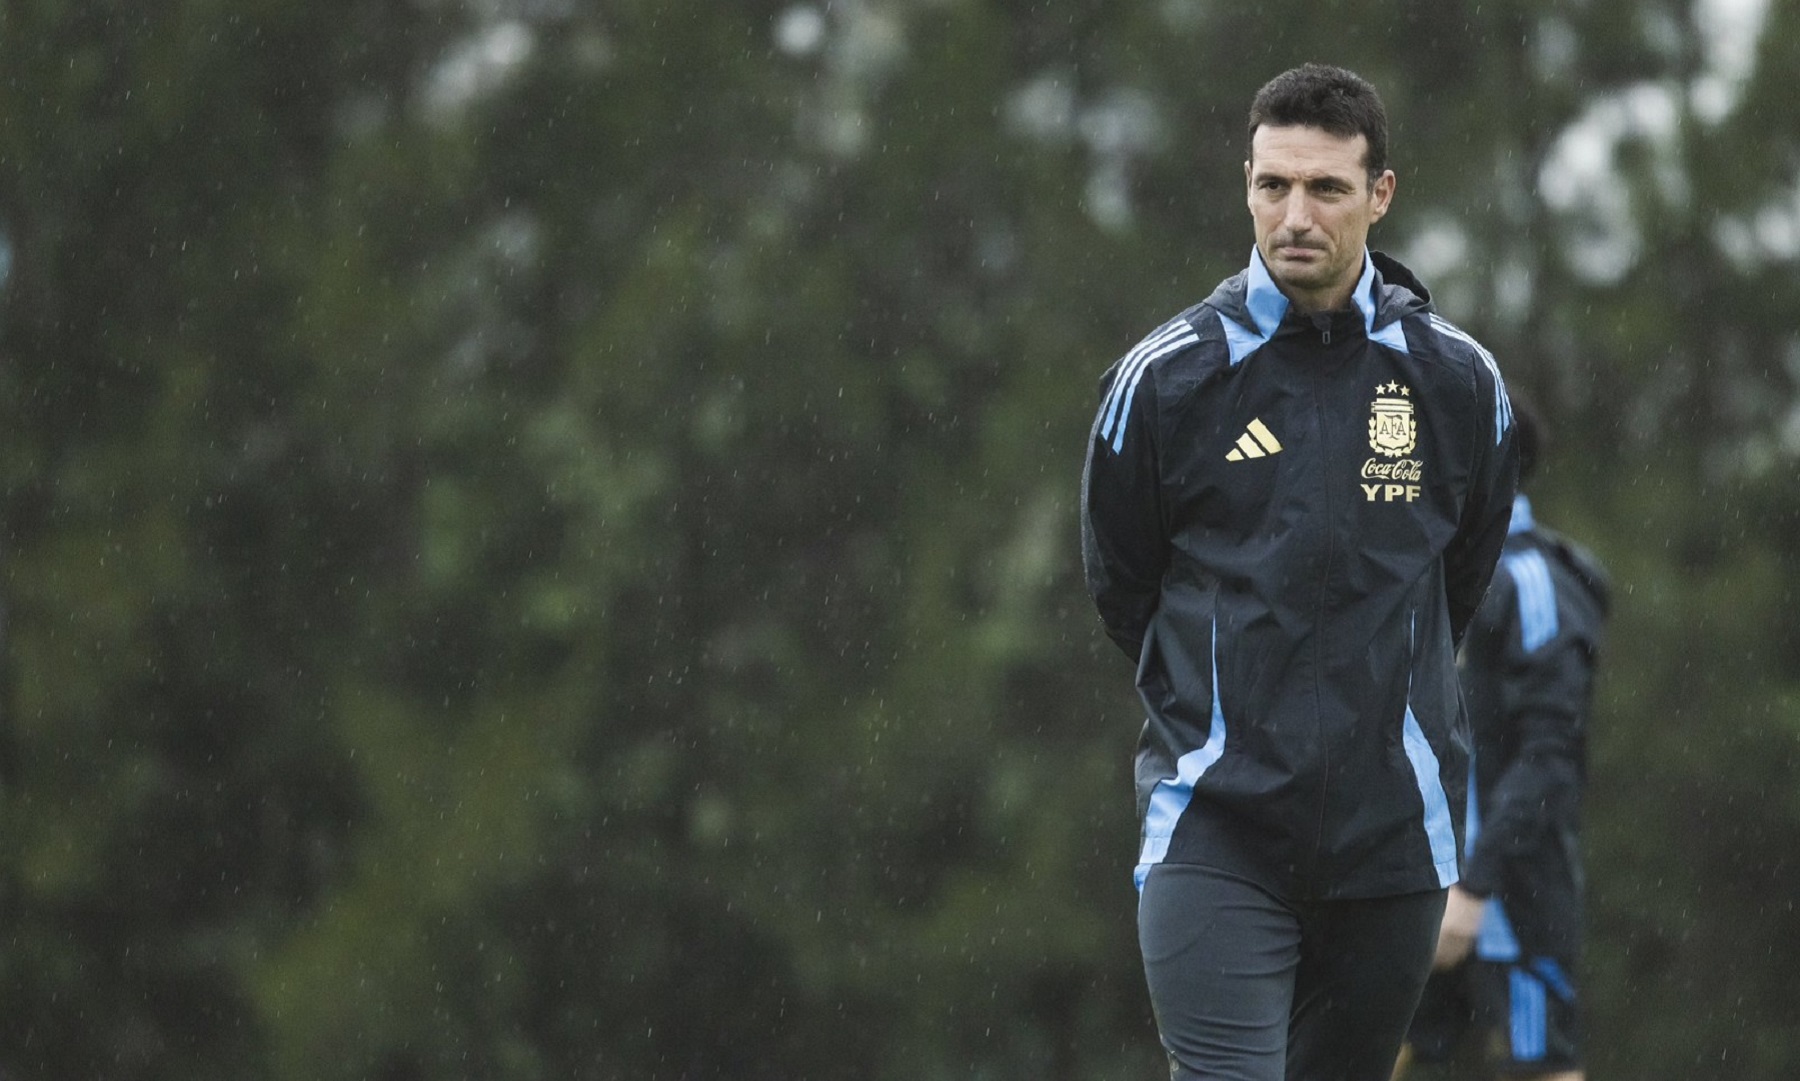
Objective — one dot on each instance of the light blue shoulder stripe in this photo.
(1171, 796)
(1503, 410)
(1537, 598)
(1130, 368)
(1521, 515)
(1116, 408)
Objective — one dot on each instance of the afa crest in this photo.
(1393, 429)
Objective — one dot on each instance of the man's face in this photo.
(1313, 203)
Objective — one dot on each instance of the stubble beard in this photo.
(1310, 275)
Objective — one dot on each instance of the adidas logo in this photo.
(1256, 442)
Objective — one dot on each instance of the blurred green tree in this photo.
(539, 539)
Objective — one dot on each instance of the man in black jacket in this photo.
(1294, 497)
(1510, 942)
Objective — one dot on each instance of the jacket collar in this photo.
(1252, 307)
(1267, 304)
(1263, 299)
(1385, 291)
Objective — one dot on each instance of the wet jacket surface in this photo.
(1528, 667)
(1288, 521)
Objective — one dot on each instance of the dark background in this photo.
(539, 538)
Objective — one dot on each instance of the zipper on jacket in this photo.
(1321, 322)
(1318, 625)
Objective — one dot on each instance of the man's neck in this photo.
(1315, 302)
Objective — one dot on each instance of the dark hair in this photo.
(1530, 433)
(1329, 98)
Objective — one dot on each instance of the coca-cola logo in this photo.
(1398, 470)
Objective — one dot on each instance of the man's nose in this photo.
(1297, 213)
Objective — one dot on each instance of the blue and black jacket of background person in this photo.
(1288, 521)
(1528, 667)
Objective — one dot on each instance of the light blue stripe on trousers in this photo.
(1530, 1017)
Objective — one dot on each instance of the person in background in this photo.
(1503, 1000)
(1294, 497)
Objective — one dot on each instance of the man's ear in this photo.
(1383, 193)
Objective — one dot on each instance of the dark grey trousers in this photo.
(1248, 986)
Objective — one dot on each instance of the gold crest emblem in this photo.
(1393, 430)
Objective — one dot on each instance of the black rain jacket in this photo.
(1287, 523)
(1528, 667)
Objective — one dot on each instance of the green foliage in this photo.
(543, 544)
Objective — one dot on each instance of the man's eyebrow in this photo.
(1258, 173)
